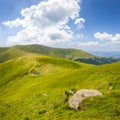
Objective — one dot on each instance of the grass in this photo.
(10, 53)
(27, 96)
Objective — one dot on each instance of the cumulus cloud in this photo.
(88, 44)
(108, 37)
(46, 23)
(14, 23)
(79, 22)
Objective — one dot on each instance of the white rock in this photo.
(80, 95)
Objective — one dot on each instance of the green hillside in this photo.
(33, 88)
(58, 52)
(21, 50)
(10, 53)
(71, 54)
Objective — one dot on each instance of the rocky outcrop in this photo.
(80, 95)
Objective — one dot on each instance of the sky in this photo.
(90, 25)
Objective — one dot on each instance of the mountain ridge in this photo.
(11, 52)
(7, 53)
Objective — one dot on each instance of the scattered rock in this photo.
(110, 88)
(43, 94)
(80, 95)
(40, 95)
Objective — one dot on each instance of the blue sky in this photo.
(91, 25)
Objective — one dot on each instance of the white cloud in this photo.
(79, 22)
(33, 35)
(46, 23)
(79, 36)
(108, 37)
(14, 23)
(87, 44)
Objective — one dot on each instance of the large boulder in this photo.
(80, 95)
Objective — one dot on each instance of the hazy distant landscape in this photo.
(106, 54)
(59, 60)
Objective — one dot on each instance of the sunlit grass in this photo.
(25, 95)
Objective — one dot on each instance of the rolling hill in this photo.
(70, 54)
(33, 87)
(21, 50)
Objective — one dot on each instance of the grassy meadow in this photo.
(33, 88)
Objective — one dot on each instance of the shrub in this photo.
(2, 114)
(69, 93)
(42, 112)
(26, 118)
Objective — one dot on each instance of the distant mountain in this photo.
(71, 54)
(106, 54)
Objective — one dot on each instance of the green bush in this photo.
(42, 112)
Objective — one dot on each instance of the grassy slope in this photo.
(63, 53)
(17, 51)
(22, 93)
(10, 53)
(71, 54)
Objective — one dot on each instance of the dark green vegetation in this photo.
(98, 60)
(34, 87)
(71, 54)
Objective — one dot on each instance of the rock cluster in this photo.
(80, 95)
